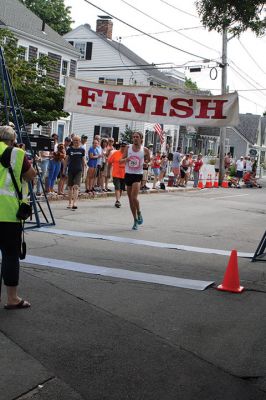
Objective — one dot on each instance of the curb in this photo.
(97, 195)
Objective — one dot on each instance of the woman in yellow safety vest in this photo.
(10, 226)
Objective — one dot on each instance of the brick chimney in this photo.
(104, 26)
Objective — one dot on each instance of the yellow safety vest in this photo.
(8, 198)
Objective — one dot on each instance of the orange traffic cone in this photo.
(225, 183)
(231, 277)
(208, 182)
(200, 184)
(216, 183)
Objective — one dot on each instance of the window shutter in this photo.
(88, 51)
(115, 133)
(71, 42)
(96, 130)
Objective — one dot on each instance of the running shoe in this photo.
(117, 204)
(135, 225)
(140, 219)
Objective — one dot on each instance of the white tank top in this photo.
(136, 159)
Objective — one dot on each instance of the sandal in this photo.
(21, 304)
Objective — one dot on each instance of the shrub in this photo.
(232, 170)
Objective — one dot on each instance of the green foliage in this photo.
(189, 84)
(53, 12)
(40, 97)
(127, 135)
(232, 170)
(235, 15)
(212, 161)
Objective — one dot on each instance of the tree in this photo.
(189, 84)
(234, 15)
(127, 135)
(40, 97)
(53, 12)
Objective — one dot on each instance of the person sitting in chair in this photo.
(250, 180)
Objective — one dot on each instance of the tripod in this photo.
(12, 108)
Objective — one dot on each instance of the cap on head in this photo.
(67, 139)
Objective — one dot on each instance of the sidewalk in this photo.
(83, 195)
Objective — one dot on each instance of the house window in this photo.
(41, 70)
(64, 72)
(107, 131)
(36, 130)
(23, 53)
(111, 81)
(81, 47)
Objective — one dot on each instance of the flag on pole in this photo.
(159, 131)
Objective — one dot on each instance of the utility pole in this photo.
(224, 90)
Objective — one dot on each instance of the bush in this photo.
(232, 170)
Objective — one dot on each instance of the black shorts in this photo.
(216, 170)
(132, 178)
(74, 178)
(98, 170)
(239, 174)
(119, 183)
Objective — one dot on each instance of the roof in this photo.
(154, 72)
(16, 16)
(263, 126)
(248, 127)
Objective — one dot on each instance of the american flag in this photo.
(159, 131)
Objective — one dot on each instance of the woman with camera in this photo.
(10, 225)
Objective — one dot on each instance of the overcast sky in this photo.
(246, 57)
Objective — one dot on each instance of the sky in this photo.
(177, 23)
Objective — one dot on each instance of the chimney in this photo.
(104, 26)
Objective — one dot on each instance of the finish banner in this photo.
(151, 104)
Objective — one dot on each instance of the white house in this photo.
(104, 60)
(37, 38)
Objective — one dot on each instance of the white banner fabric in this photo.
(151, 104)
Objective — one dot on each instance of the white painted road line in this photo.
(226, 197)
(120, 239)
(119, 273)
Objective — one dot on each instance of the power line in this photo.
(138, 68)
(160, 32)
(244, 78)
(146, 34)
(167, 26)
(179, 9)
(253, 102)
(252, 58)
(153, 65)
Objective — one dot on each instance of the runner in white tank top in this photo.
(134, 157)
(135, 161)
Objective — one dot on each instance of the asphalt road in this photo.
(97, 335)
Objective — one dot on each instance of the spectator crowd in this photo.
(75, 161)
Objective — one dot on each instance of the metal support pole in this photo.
(224, 90)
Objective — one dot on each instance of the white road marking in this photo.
(141, 242)
(226, 197)
(119, 273)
